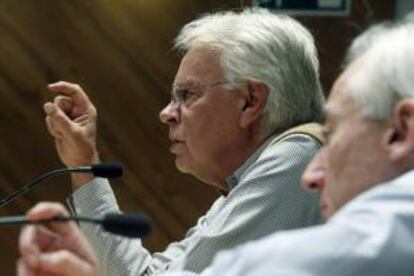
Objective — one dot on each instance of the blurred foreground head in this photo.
(369, 119)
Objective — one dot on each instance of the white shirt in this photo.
(371, 235)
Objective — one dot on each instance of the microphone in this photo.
(131, 225)
(105, 170)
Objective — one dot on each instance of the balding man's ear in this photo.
(255, 103)
(400, 137)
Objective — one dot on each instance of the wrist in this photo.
(82, 160)
(81, 179)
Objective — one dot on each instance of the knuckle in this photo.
(58, 207)
(54, 207)
(64, 256)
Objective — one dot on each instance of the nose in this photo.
(170, 114)
(313, 179)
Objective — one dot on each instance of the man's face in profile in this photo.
(204, 126)
(353, 156)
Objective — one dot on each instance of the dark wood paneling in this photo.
(120, 52)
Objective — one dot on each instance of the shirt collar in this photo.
(234, 179)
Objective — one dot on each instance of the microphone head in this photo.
(107, 170)
(127, 225)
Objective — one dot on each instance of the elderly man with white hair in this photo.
(241, 103)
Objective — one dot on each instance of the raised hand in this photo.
(71, 120)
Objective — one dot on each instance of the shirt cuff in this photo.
(94, 198)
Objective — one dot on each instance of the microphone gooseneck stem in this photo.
(126, 225)
(23, 220)
(29, 186)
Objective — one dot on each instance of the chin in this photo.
(181, 165)
(326, 212)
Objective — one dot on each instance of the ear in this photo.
(255, 103)
(399, 139)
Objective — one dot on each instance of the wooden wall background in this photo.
(119, 51)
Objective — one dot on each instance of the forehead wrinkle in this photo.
(188, 81)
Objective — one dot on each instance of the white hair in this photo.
(364, 41)
(408, 18)
(257, 45)
(385, 73)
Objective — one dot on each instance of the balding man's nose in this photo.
(313, 179)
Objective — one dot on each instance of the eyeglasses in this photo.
(181, 95)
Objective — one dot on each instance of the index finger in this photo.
(72, 90)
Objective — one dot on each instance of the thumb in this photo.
(59, 121)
